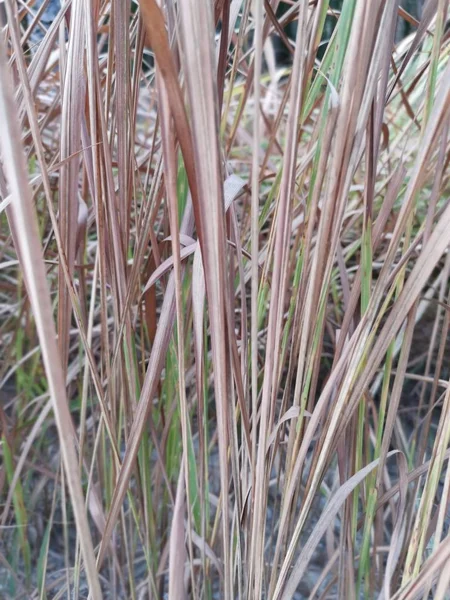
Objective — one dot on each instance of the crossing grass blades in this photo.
(224, 294)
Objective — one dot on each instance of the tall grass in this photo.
(224, 301)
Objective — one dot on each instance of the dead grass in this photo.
(224, 301)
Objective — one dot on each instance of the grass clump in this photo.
(224, 301)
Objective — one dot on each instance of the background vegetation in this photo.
(224, 300)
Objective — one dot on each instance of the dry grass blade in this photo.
(196, 23)
(72, 106)
(23, 216)
(156, 31)
(271, 366)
